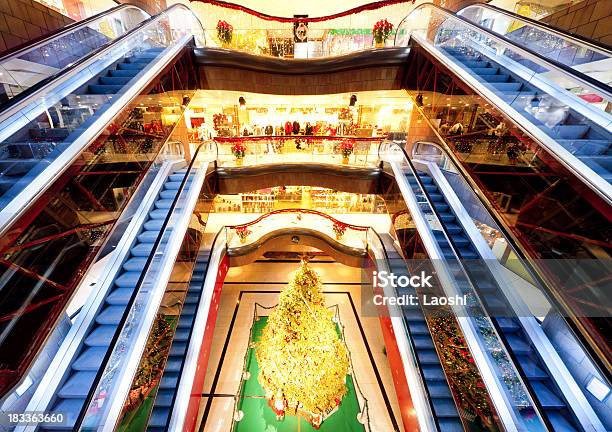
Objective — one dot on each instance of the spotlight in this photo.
(353, 100)
(242, 102)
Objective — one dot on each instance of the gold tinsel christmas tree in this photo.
(303, 364)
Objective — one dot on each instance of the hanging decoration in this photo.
(303, 363)
(353, 11)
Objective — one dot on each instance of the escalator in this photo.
(553, 404)
(81, 373)
(548, 100)
(71, 162)
(560, 396)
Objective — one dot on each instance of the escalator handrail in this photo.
(411, 338)
(66, 29)
(520, 251)
(591, 44)
(596, 355)
(526, 383)
(595, 85)
(188, 340)
(39, 87)
(145, 269)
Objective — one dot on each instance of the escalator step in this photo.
(433, 373)
(164, 398)
(419, 329)
(485, 71)
(496, 78)
(531, 369)
(135, 264)
(110, 80)
(451, 425)
(173, 364)
(192, 298)
(110, 315)
(168, 381)
(507, 87)
(142, 249)
(158, 214)
(168, 194)
(580, 147)
(508, 325)
(178, 349)
(428, 356)
(77, 385)
(163, 203)
(181, 335)
(99, 89)
(130, 66)
(570, 131)
(445, 408)
(518, 345)
(120, 296)
(185, 321)
(439, 390)
(546, 397)
(123, 73)
(560, 423)
(130, 279)
(159, 416)
(151, 236)
(473, 64)
(154, 224)
(70, 408)
(170, 185)
(90, 359)
(101, 336)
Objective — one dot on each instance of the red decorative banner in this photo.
(355, 10)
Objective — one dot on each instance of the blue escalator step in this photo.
(585, 147)
(130, 66)
(473, 64)
(485, 71)
(159, 417)
(496, 78)
(439, 390)
(412, 313)
(433, 373)
(423, 341)
(192, 298)
(451, 425)
(447, 217)
(77, 385)
(120, 296)
(158, 214)
(163, 203)
(560, 423)
(110, 80)
(181, 335)
(445, 408)
(151, 236)
(168, 381)
(142, 249)
(164, 398)
(89, 359)
(110, 315)
(135, 264)
(70, 408)
(531, 369)
(101, 336)
(494, 302)
(508, 324)
(570, 131)
(179, 177)
(504, 87)
(123, 73)
(186, 321)
(189, 309)
(428, 356)
(128, 279)
(546, 397)
(173, 364)
(154, 224)
(100, 89)
(170, 185)
(168, 194)
(178, 348)
(197, 277)
(518, 345)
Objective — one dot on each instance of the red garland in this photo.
(365, 7)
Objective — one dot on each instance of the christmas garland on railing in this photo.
(305, 211)
(263, 16)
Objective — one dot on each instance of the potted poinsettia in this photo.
(381, 31)
(346, 149)
(225, 31)
(243, 232)
(339, 229)
(239, 150)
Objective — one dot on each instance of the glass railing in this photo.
(44, 59)
(258, 150)
(511, 395)
(104, 402)
(47, 249)
(351, 236)
(551, 104)
(47, 133)
(578, 54)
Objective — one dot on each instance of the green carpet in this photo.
(259, 417)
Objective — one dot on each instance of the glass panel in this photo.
(581, 56)
(45, 59)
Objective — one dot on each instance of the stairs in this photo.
(588, 142)
(555, 408)
(166, 394)
(28, 152)
(428, 360)
(80, 376)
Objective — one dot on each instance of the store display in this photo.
(303, 363)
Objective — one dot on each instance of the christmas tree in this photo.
(303, 364)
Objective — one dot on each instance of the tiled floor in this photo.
(259, 283)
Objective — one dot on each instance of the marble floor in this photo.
(260, 283)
